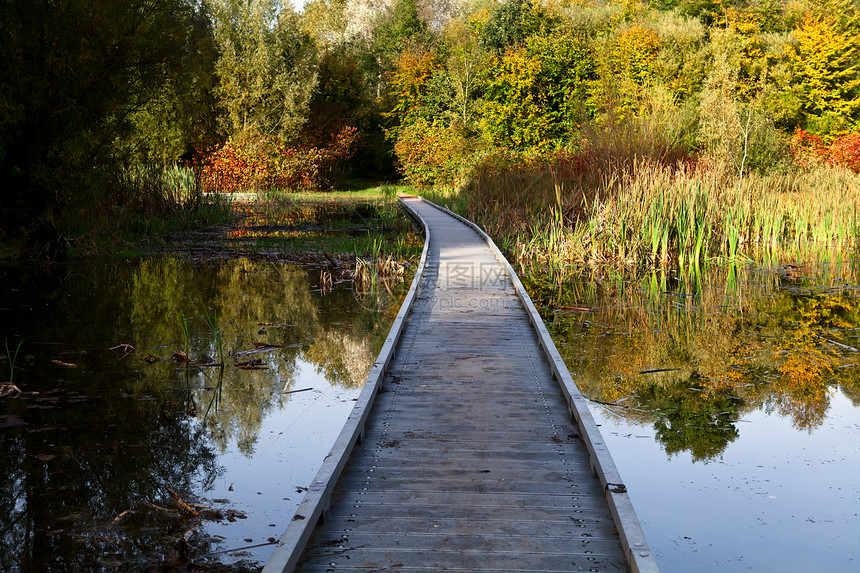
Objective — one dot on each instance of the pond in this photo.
(173, 408)
(730, 401)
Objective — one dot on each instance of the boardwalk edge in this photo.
(316, 502)
(640, 558)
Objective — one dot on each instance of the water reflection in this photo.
(98, 436)
(729, 402)
(690, 355)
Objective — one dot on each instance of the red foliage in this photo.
(845, 151)
(807, 149)
(233, 167)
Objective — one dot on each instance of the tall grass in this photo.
(139, 205)
(652, 213)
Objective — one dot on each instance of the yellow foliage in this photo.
(823, 61)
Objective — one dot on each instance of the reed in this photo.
(12, 357)
(211, 319)
(649, 213)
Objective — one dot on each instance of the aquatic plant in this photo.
(211, 319)
(651, 213)
(186, 322)
(12, 357)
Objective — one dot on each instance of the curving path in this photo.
(469, 459)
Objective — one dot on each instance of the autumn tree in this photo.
(409, 86)
(326, 22)
(827, 77)
(533, 95)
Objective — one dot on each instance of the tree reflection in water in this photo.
(85, 480)
(689, 356)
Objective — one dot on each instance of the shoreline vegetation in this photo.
(577, 132)
(657, 216)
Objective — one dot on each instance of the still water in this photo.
(730, 401)
(126, 423)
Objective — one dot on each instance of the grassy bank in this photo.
(119, 213)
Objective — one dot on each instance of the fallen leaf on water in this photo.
(151, 358)
(8, 390)
(180, 357)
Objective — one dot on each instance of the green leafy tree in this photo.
(74, 74)
(267, 68)
(339, 98)
(183, 115)
(514, 21)
(465, 58)
(532, 96)
(400, 29)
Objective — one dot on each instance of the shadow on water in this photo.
(139, 385)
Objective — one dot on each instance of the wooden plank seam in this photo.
(639, 556)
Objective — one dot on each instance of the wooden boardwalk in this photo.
(470, 458)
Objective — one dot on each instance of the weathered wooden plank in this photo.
(470, 460)
(395, 559)
(522, 508)
(557, 543)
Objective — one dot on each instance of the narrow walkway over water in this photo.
(470, 459)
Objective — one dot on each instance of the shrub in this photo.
(845, 151)
(807, 150)
(237, 166)
(432, 154)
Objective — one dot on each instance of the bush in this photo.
(237, 166)
(432, 154)
(807, 150)
(845, 151)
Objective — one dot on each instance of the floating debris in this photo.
(9, 390)
(124, 349)
(252, 364)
